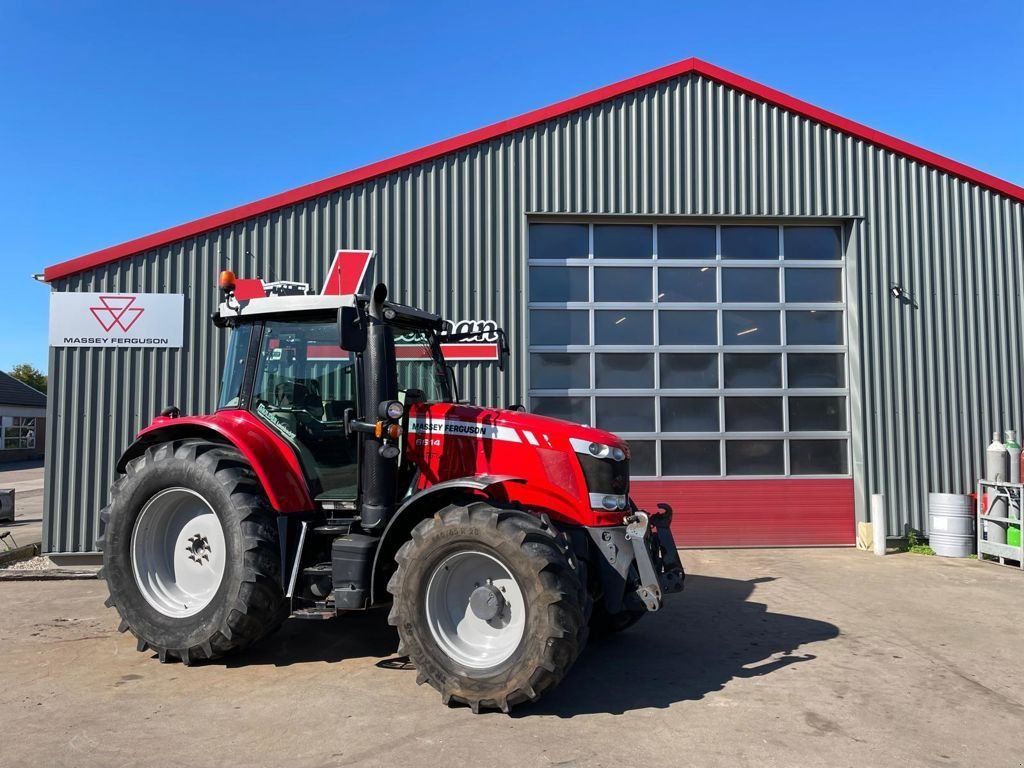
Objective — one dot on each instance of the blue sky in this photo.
(119, 119)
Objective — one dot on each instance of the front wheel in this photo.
(488, 606)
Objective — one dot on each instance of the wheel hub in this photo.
(178, 552)
(198, 548)
(486, 602)
(476, 609)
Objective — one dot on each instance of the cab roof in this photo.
(282, 305)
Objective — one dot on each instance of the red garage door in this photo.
(784, 512)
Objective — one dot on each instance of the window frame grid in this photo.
(655, 264)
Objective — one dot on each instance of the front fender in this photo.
(273, 461)
(420, 506)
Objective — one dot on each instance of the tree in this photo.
(29, 374)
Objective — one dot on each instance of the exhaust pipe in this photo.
(380, 384)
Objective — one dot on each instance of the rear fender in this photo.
(421, 506)
(273, 461)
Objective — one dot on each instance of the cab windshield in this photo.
(421, 366)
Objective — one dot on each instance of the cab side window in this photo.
(304, 384)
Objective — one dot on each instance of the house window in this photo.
(17, 432)
(715, 350)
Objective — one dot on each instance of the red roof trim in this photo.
(448, 146)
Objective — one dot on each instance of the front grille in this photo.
(605, 475)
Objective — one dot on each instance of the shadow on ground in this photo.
(302, 641)
(696, 644)
(700, 641)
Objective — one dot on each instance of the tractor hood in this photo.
(508, 425)
(569, 470)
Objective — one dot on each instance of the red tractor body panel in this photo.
(447, 441)
(274, 462)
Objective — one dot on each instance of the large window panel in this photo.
(746, 370)
(559, 370)
(818, 457)
(686, 242)
(816, 370)
(744, 284)
(623, 326)
(559, 241)
(625, 414)
(696, 370)
(559, 327)
(817, 414)
(624, 371)
(574, 409)
(559, 284)
(687, 284)
(688, 327)
(689, 414)
(754, 457)
(814, 327)
(750, 327)
(750, 242)
(642, 458)
(814, 285)
(753, 414)
(690, 458)
(623, 241)
(812, 243)
(622, 283)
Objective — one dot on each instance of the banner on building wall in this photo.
(117, 319)
(347, 274)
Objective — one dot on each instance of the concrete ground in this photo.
(770, 658)
(26, 478)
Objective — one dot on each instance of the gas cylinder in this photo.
(996, 470)
(1013, 452)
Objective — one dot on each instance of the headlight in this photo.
(611, 503)
(601, 451)
(393, 410)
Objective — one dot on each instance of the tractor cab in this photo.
(285, 365)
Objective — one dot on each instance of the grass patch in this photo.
(916, 546)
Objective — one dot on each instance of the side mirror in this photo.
(502, 350)
(351, 329)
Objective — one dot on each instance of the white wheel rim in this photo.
(474, 642)
(178, 552)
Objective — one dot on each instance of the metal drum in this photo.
(951, 524)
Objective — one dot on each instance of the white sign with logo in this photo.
(117, 319)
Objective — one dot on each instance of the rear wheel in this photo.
(488, 606)
(190, 552)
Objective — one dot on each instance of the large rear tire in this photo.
(190, 552)
(488, 606)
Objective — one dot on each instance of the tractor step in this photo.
(317, 613)
(320, 569)
(338, 526)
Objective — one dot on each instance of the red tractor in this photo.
(342, 472)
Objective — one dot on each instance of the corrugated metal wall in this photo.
(929, 381)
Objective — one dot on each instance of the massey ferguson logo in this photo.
(117, 311)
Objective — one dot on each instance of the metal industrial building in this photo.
(784, 311)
